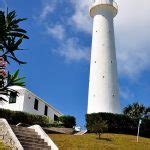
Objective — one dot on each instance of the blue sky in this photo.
(58, 51)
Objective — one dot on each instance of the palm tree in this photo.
(134, 110)
(147, 110)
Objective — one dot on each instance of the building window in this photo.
(55, 117)
(36, 103)
(46, 110)
(12, 98)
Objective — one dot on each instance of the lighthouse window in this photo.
(111, 61)
(113, 95)
(103, 76)
(95, 61)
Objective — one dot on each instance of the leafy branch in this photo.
(11, 35)
(11, 80)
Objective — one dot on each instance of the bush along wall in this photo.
(68, 121)
(118, 123)
(15, 117)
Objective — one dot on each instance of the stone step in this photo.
(33, 148)
(33, 143)
(28, 136)
(44, 144)
(22, 128)
(31, 139)
(25, 133)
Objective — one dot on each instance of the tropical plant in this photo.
(11, 80)
(147, 110)
(11, 35)
(135, 110)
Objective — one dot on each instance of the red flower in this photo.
(3, 64)
(3, 73)
(1, 59)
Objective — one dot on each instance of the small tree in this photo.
(99, 127)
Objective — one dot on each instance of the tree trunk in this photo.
(99, 135)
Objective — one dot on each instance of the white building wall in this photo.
(103, 85)
(29, 105)
(25, 103)
(14, 106)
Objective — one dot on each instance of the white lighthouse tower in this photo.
(103, 86)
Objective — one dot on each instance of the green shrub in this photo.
(118, 123)
(15, 117)
(68, 121)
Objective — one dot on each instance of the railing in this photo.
(110, 2)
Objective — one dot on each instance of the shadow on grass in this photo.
(104, 139)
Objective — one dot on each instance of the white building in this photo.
(103, 85)
(28, 102)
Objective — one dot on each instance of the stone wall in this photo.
(8, 136)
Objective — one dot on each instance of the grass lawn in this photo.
(107, 142)
(3, 147)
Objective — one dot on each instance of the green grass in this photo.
(4, 147)
(107, 142)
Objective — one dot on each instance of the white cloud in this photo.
(131, 29)
(72, 51)
(69, 47)
(126, 94)
(81, 18)
(132, 37)
(48, 8)
(132, 33)
(57, 31)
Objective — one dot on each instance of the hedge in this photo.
(68, 121)
(15, 117)
(118, 123)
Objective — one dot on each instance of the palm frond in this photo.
(11, 35)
